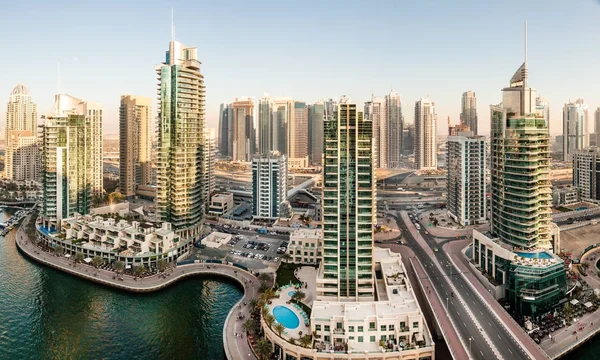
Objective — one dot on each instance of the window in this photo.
(372, 338)
(415, 324)
(360, 339)
(383, 328)
(360, 329)
(391, 327)
(327, 338)
(338, 325)
(318, 327)
(402, 325)
(383, 337)
(326, 327)
(351, 328)
(372, 326)
(351, 338)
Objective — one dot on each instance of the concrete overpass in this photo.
(303, 186)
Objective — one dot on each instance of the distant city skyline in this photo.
(100, 61)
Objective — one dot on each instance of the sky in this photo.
(307, 50)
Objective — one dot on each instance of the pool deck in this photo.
(284, 297)
(235, 347)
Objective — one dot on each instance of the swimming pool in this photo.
(286, 317)
(535, 255)
(291, 293)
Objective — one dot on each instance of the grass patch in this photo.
(285, 274)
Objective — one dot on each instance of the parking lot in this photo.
(266, 249)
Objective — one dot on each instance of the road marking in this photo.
(480, 312)
(465, 324)
(499, 336)
(481, 352)
(489, 323)
(510, 351)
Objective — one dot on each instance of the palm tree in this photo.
(298, 296)
(279, 328)
(263, 287)
(139, 270)
(58, 250)
(253, 303)
(306, 341)
(161, 265)
(269, 319)
(286, 257)
(118, 266)
(264, 312)
(79, 257)
(267, 294)
(249, 326)
(97, 261)
(263, 349)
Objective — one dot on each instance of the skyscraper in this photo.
(521, 226)
(21, 155)
(269, 185)
(375, 111)
(282, 117)
(468, 114)
(597, 120)
(575, 128)
(265, 124)
(316, 114)
(66, 153)
(542, 107)
(466, 178)
(395, 129)
(298, 132)
(586, 173)
(425, 135)
(135, 143)
(244, 138)
(209, 154)
(346, 271)
(226, 130)
(92, 111)
(180, 140)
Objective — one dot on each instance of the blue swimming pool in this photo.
(291, 293)
(286, 317)
(537, 255)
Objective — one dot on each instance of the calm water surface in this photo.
(45, 314)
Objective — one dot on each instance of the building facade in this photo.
(181, 114)
(586, 165)
(209, 164)
(221, 204)
(135, 143)
(395, 129)
(575, 128)
(346, 271)
(21, 155)
(316, 114)
(425, 135)
(226, 130)
(468, 113)
(375, 111)
(298, 132)
(466, 199)
(305, 246)
(269, 185)
(244, 138)
(265, 124)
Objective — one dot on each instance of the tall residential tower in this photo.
(395, 129)
(425, 135)
(575, 128)
(468, 114)
(244, 138)
(21, 155)
(375, 112)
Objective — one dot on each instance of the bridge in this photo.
(303, 186)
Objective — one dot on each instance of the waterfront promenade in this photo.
(236, 347)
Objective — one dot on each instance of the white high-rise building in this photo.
(468, 114)
(375, 111)
(244, 135)
(209, 161)
(22, 155)
(425, 135)
(265, 124)
(466, 178)
(575, 128)
(283, 113)
(269, 185)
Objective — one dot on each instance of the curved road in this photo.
(489, 340)
(236, 347)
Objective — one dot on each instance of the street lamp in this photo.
(446, 304)
(470, 344)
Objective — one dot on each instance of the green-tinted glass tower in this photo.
(180, 140)
(346, 271)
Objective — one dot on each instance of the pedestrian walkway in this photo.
(236, 347)
(453, 249)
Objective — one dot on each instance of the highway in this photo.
(485, 324)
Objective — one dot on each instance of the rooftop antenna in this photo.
(525, 68)
(172, 26)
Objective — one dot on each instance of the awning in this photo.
(67, 255)
(588, 304)
(574, 302)
(88, 260)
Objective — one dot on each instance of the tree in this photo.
(139, 270)
(264, 277)
(263, 287)
(253, 303)
(286, 257)
(263, 349)
(269, 319)
(161, 265)
(115, 197)
(264, 312)
(306, 341)
(79, 257)
(279, 328)
(298, 296)
(249, 326)
(267, 294)
(97, 200)
(97, 261)
(59, 250)
(118, 266)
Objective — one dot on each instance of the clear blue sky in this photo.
(307, 50)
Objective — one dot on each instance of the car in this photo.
(426, 232)
(272, 233)
(378, 241)
(435, 249)
(399, 242)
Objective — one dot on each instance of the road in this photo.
(485, 329)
